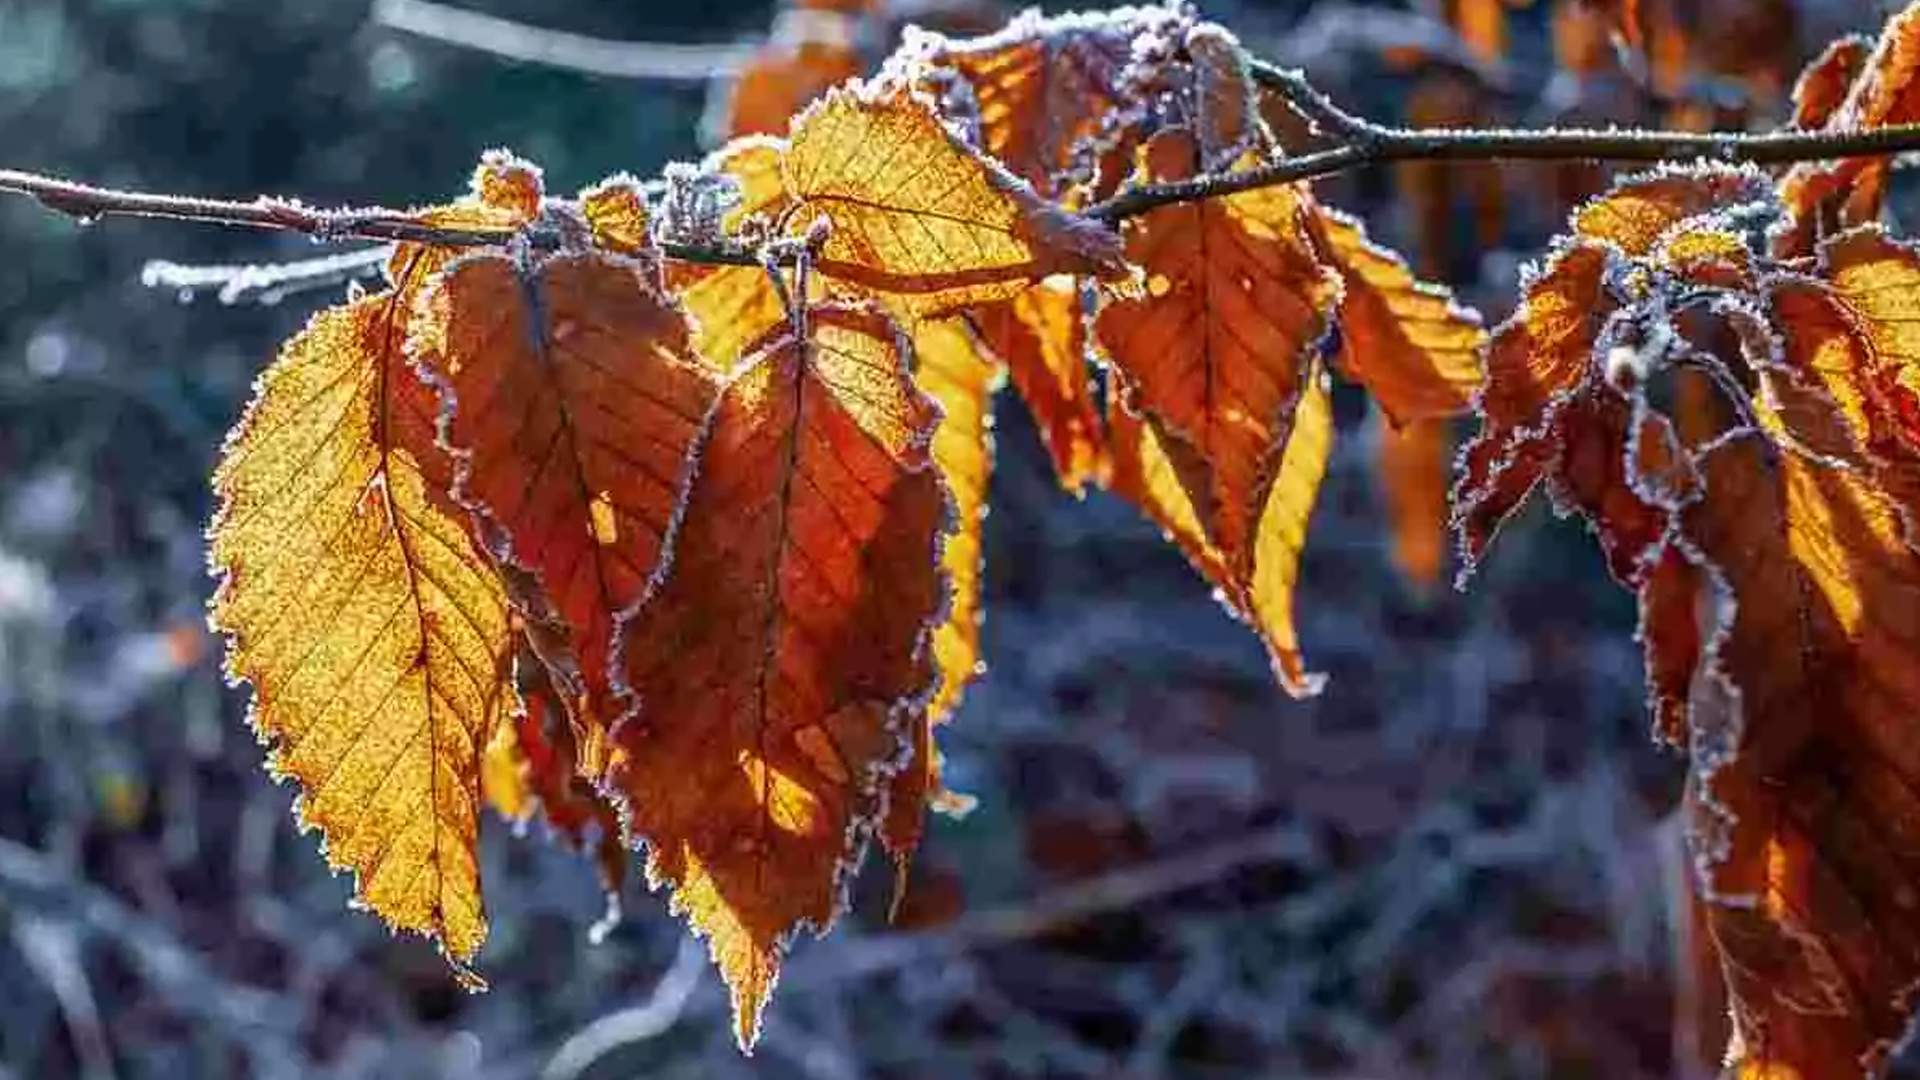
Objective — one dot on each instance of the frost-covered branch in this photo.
(1356, 142)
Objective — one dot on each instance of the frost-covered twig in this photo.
(267, 282)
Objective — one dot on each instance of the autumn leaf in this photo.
(1212, 358)
(949, 368)
(571, 398)
(1804, 804)
(783, 76)
(915, 213)
(616, 214)
(1538, 358)
(731, 307)
(1038, 88)
(1405, 340)
(1212, 351)
(374, 634)
(1741, 466)
(1823, 197)
(1854, 332)
(1825, 82)
(1414, 463)
(1281, 535)
(781, 666)
(1041, 337)
(504, 193)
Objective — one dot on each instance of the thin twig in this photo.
(267, 282)
(86, 204)
(655, 61)
(1376, 145)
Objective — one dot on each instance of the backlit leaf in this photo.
(1212, 351)
(949, 368)
(781, 666)
(374, 635)
(1741, 466)
(1414, 464)
(916, 213)
(1282, 534)
(1823, 197)
(731, 307)
(1040, 88)
(1403, 339)
(572, 398)
(1041, 337)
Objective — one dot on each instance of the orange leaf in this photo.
(1537, 358)
(914, 212)
(1212, 352)
(572, 398)
(1039, 88)
(1041, 336)
(1824, 196)
(1405, 340)
(373, 633)
(1414, 464)
(798, 63)
(781, 664)
(1856, 335)
(1824, 83)
(1634, 215)
(1731, 462)
(1533, 361)
(1804, 803)
(732, 307)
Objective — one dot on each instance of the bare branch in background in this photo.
(648, 1020)
(556, 48)
(268, 283)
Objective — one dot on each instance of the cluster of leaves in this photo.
(693, 550)
(661, 518)
(1716, 369)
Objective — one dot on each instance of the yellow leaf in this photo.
(373, 633)
(914, 212)
(949, 368)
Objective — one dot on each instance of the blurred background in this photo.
(1452, 864)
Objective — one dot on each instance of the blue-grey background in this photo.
(1451, 865)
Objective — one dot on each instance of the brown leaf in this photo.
(1823, 197)
(781, 665)
(571, 398)
(1041, 337)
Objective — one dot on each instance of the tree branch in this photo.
(1359, 143)
(557, 48)
(1371, 144)
(87, 204)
